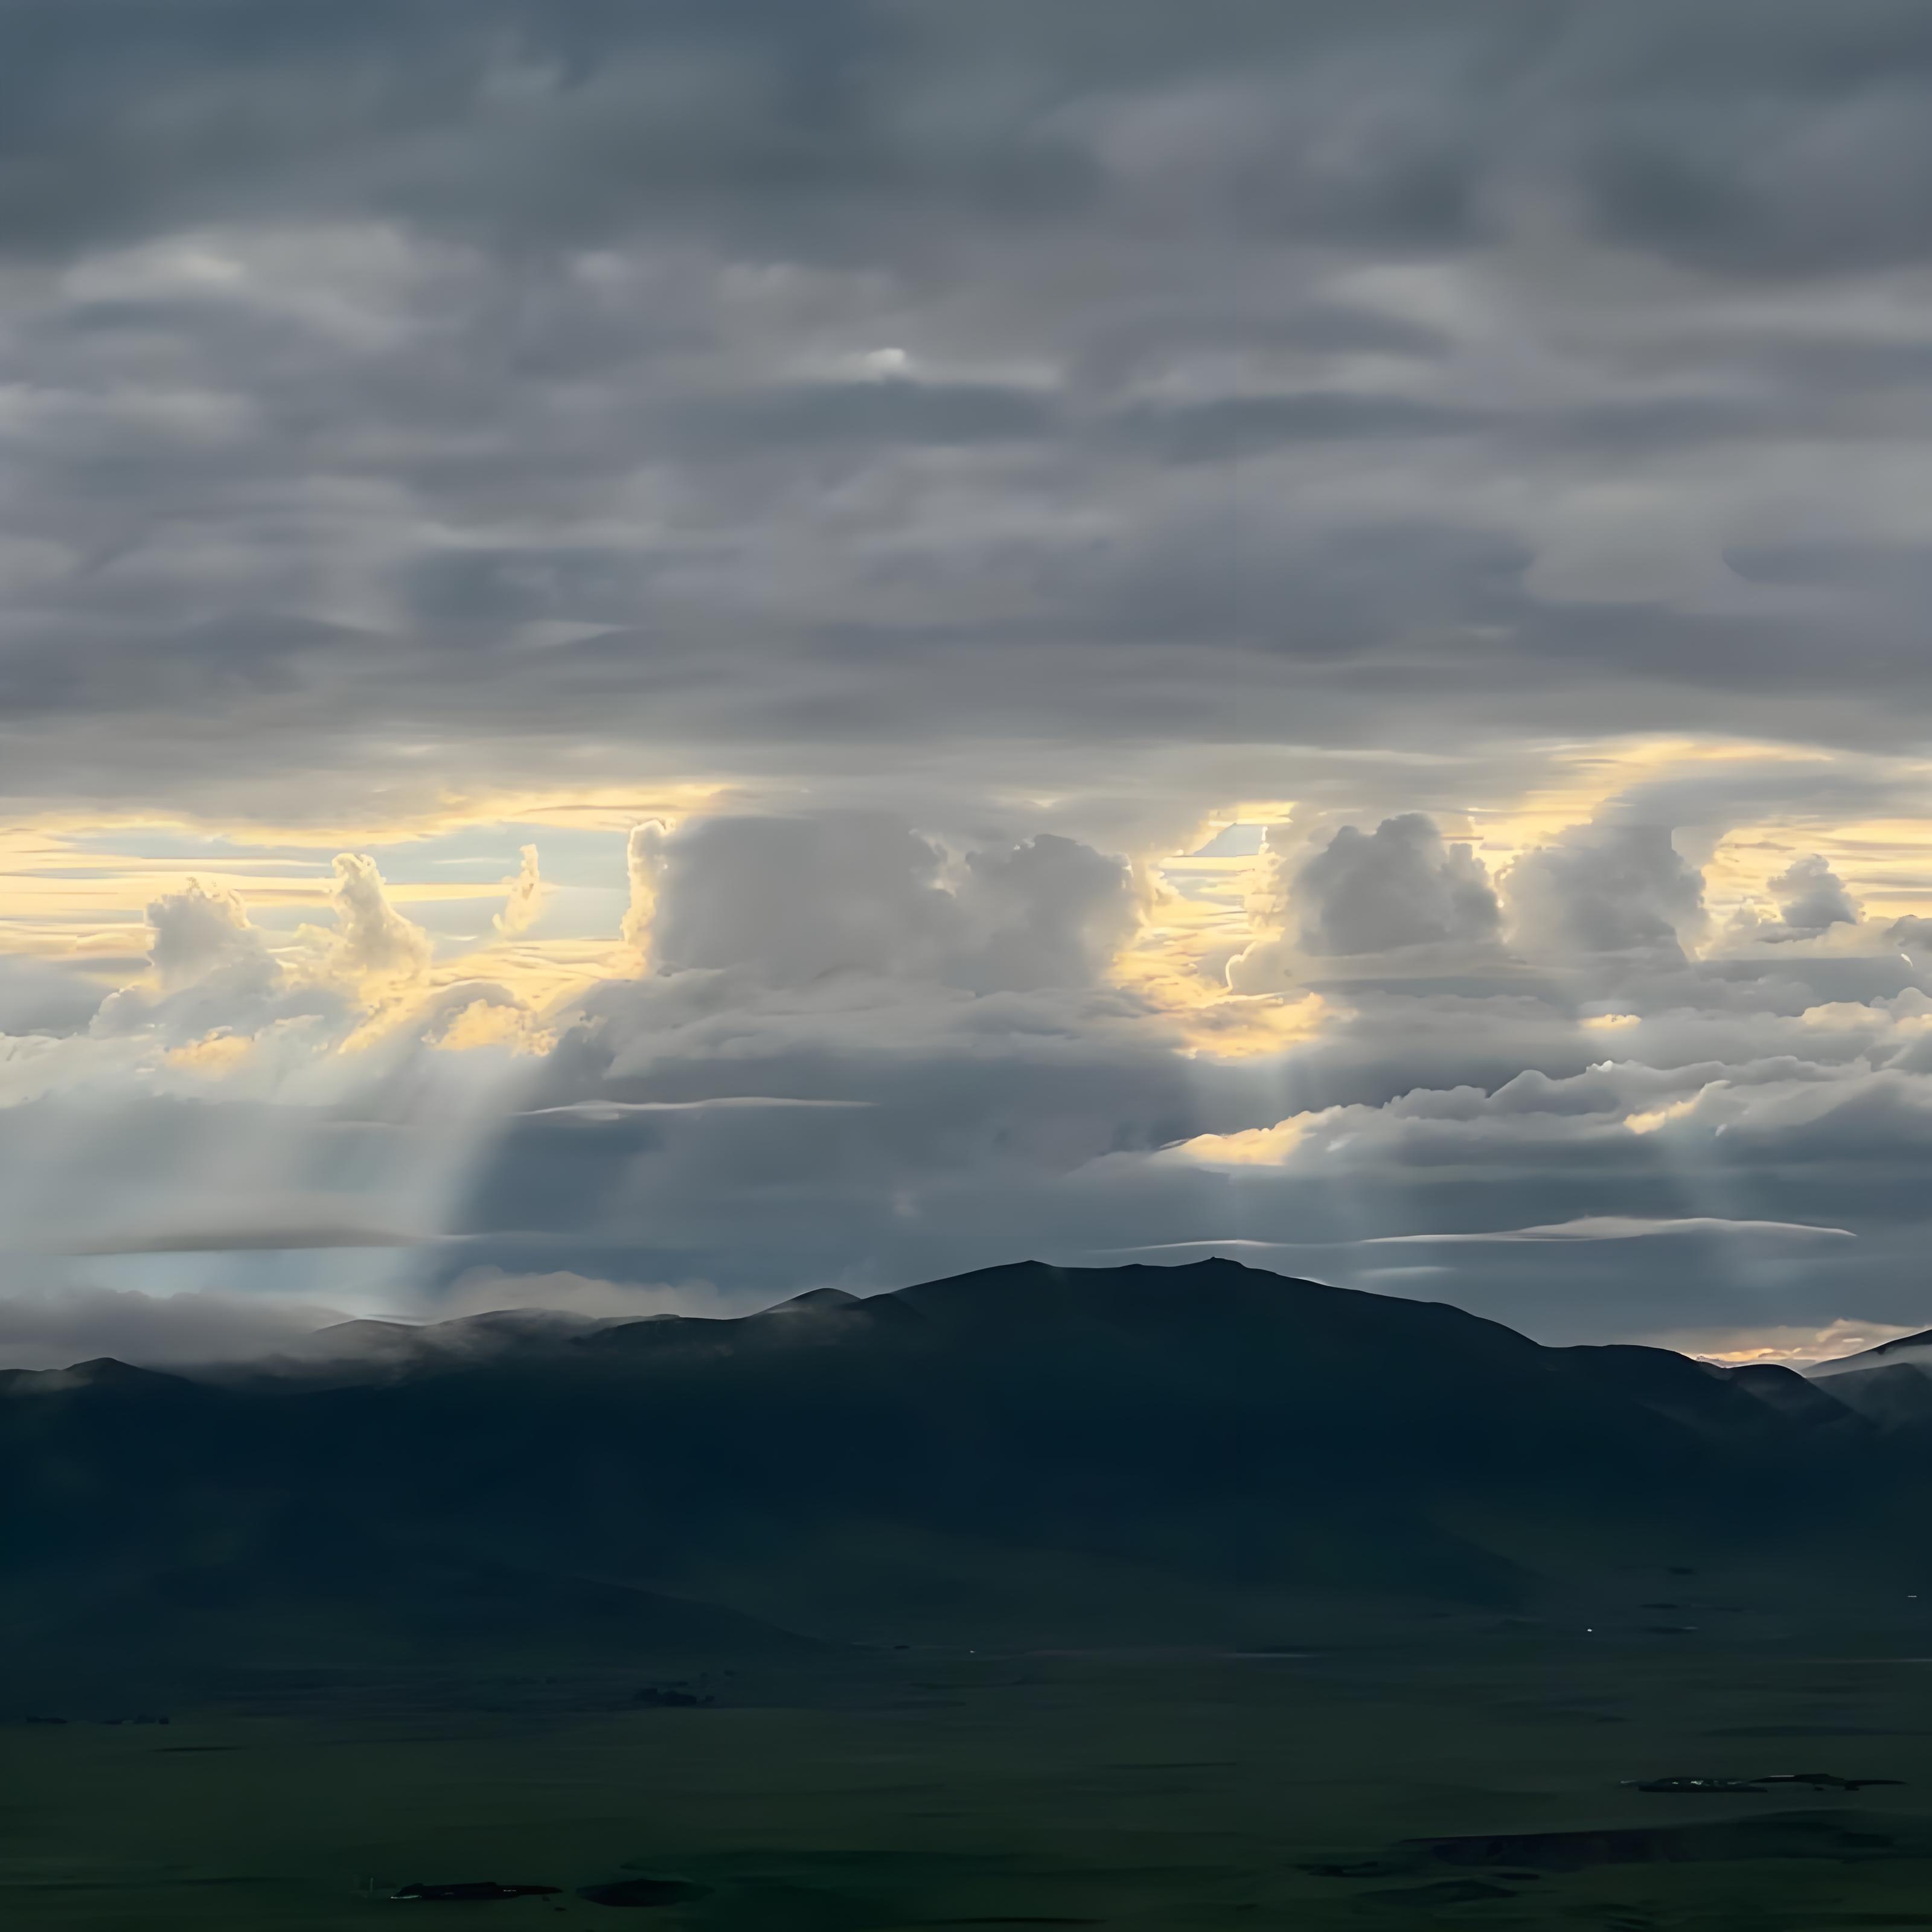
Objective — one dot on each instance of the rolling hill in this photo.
(1054, 1455)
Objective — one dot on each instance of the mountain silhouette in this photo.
(1059, 1454)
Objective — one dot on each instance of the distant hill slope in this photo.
(1916, 1349)
(1136, 1452)
(1890, 1385)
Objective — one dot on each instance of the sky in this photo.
(655, 654)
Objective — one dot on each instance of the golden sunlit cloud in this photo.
(400, 934)
(523, 901)
(482, 1025)
(1787, 1346)
(1255, 1147)
(218, 1054)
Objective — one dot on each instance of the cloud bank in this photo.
(1117, 625)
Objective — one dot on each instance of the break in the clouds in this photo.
(691, 650)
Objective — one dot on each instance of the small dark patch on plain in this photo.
(1445, 1891)
(642, 1893)
(176, 1751)
(1383, 1867)
(470, 1891)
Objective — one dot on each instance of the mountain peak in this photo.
(817, 1297)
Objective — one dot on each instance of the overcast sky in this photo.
(652, 655)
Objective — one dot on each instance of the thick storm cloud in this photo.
(656, 653)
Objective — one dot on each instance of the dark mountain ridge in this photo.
(1066, 1454)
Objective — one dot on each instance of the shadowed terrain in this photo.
(1146, 1597)
(1029, 1453)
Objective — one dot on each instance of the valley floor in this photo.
(1132, 1790)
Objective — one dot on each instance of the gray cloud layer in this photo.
(763, 382)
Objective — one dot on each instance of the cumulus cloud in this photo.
(1050, 912)
(372, 940)
(792, 901)
(524, 901)
(45, 997)
(210, 971)
(197, 931)
(1382, 898)
(1398, 886)
(642, 858)
(1605, 888)
(469, 1013)
(212, 974)
(1810, 898)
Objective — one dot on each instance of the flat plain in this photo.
(1458, 1771)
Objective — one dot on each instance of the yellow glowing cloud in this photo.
(480, 1023)
(1176, 964)
(1588, 777)
(219, 1054)
(524, 900)
(1649, 1122)
(1253, 1146)
(1886, 864)
(1736, 1347)
(77, 889)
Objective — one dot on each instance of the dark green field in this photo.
(1151, 1789)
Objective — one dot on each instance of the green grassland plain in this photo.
(928, 1787)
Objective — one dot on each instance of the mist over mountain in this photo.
(1891, 1384)
(1027, 1453)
